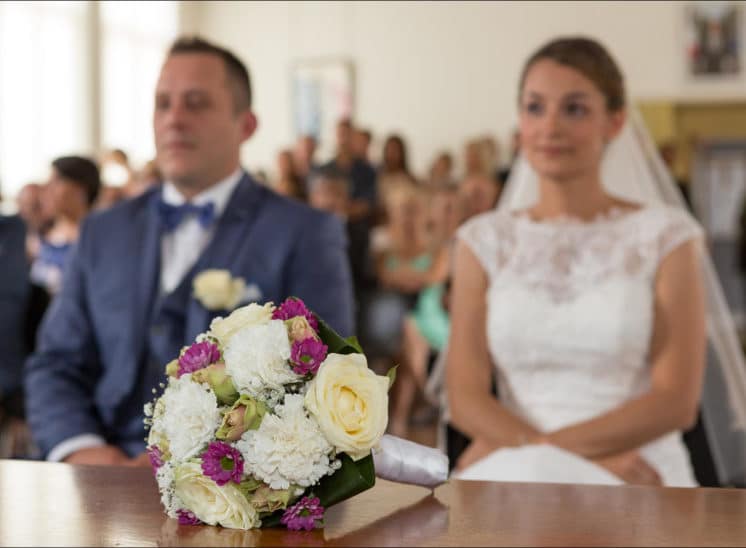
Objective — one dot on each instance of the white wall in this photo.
(443, 71)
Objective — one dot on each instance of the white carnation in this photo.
(257, 357)
(288, 448)
(191, 417)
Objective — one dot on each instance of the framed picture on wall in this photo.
(714, 38)
(323, 92)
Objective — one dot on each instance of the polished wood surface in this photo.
(44, 504)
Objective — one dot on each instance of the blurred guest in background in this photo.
(36, 212)
(115, 168)
(441, 170)
(477, 159)
(304, 154)
(480, 192)
(329, 192)
(143, 179)
(425, 329)
(361, 139)
(72, 189)
(288, 182)
(360, 173)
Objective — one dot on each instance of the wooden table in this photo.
(44, 504)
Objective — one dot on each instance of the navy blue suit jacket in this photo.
(92, 342)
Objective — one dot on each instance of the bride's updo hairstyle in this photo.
(590, 59)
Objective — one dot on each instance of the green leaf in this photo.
(351, 479)
(354, 343)
(391, 374)
(335, 342)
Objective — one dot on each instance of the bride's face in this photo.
(564, 122)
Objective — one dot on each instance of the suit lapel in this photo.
(223, 250)
(147, 237)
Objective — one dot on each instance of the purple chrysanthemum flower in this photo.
(187, 517)
(222, 463)
(198, 356)
(305, 514)
(307, 355)
(156, 457)
(293, 307)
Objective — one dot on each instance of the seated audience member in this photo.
(441, 170)
(329, 192)
(287, 182)
(304, 160)
(477, 160)
(72, 189)
(128, 306)
(143, 179)
(35, 211)
(115, 168)
(481, 193)
(492, 155)
(394, 169)
(425, 330)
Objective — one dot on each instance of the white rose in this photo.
(350, 403)
(217, 290)
(246, 316)
(212, 503)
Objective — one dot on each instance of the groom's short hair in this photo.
(238, 75)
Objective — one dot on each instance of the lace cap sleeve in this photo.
(678, 227)
(482, 235)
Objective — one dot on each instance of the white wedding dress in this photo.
(569, 323)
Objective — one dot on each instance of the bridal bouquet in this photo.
(266, 420)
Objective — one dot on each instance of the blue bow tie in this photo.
(172, 215)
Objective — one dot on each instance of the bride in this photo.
(589, 306)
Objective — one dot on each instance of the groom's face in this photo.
(198, 129)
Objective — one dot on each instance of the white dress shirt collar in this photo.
(218, 194)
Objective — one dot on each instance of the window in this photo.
(44, 88)
(134, 40)
(49, 94)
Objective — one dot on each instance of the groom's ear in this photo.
(249, 123)
(615, 124)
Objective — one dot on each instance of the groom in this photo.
(128, 303)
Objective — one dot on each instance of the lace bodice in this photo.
(570, 306)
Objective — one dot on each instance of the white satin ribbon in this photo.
(404, 461)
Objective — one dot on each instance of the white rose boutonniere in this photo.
(218, 290)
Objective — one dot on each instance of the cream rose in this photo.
(212, 503)
(246, 316)
(350, 403)
(217, 290)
